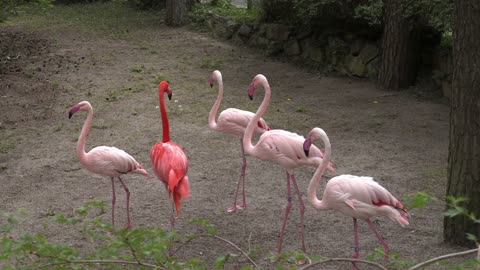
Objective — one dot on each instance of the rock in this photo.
(274, 48)
(356, 66)
(369, 52)
(257, 40)
(356, 46)
(312, 52)
(277, 32)
(303, 32)
(223, 27)
(292, 48)
(244, 30)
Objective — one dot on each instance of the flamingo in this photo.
(282, 147)
(357, 196)
(169, 161)
(233, 121)
(105, 160)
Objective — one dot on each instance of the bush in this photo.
(147, 4)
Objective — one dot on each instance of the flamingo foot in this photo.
(234, 208)
(304, 262)
(128, 227)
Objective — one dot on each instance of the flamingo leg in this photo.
(302, 212)
(127, 192)
(113, 203)
(386, 248)
(287, 211)
(242, 182)
(356, 245)
(172, 219)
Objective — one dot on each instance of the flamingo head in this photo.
(306, 145)
(256, 82)
(81, 106)
(164, 87)
(216, 75)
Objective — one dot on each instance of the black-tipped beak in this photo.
(169, 96)
(211, 84)
(306, 152)
(251, 97)
(70, 115)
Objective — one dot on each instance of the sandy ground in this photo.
(399, 138)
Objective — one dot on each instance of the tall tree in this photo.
(464, 149)
(397, 68)
(177, 11)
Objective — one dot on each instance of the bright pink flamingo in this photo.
(281, 147)
(105, 160)
(169, 161)
(233, 121)
(357, 196)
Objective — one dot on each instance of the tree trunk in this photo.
(464, 148)
(176, 12)
(398, 67)
(249, 4)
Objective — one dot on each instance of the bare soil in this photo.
(399, 138)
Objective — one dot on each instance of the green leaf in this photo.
(220, 261)
(472, 237)
(418, 200)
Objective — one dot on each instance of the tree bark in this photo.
(464, 148)
(398, 66)
(176, 12)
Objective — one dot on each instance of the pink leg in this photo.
(302, 212)
(356, 246)
(386, 248)
(128, 203)
(287, 211)
(242, 182)
(113, 203)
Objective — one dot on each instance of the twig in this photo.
(443, 257)
(249, 239)
(220, 238)
(344, 260)
(100, 262)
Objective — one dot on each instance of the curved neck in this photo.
(216, 105)
(247, 137)
(163, 113)
(315, 182)
(83, 135)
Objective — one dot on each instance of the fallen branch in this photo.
(344, 260)
(443, 257)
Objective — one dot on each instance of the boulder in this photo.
(245, 30)
(277, 32)
(223, 27)
(292, 48)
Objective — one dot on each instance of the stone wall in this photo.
(343, 53)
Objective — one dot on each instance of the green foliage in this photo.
(417, 200)
(10, 7)
(201, 12)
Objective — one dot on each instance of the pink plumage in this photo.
(357, 196)
(234, 122)
(169, 161)
(105, 160)
(282, 147)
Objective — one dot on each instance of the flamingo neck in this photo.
(315, 182)
(216, 105)
(247, 138)
(163, 113)
(82, 155)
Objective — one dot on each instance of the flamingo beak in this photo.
(211, 82)
(169, 94)
(306, 146)
(70, 115)
(306, 151)
(251, 97)
(73, 110)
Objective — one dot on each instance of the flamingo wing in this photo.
(170, 164)
(235, 121)
(112, 161)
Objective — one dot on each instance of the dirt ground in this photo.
(399, 138)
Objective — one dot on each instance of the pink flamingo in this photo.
(233, 121)
(357, 196)
(282, 147)
(105, 160)
(169, 161)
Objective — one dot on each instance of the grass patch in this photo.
(200, 13)
(209, 63)
(137, 68)
(6, 145)
(111, 19)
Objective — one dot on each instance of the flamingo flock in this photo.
(359, 197)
